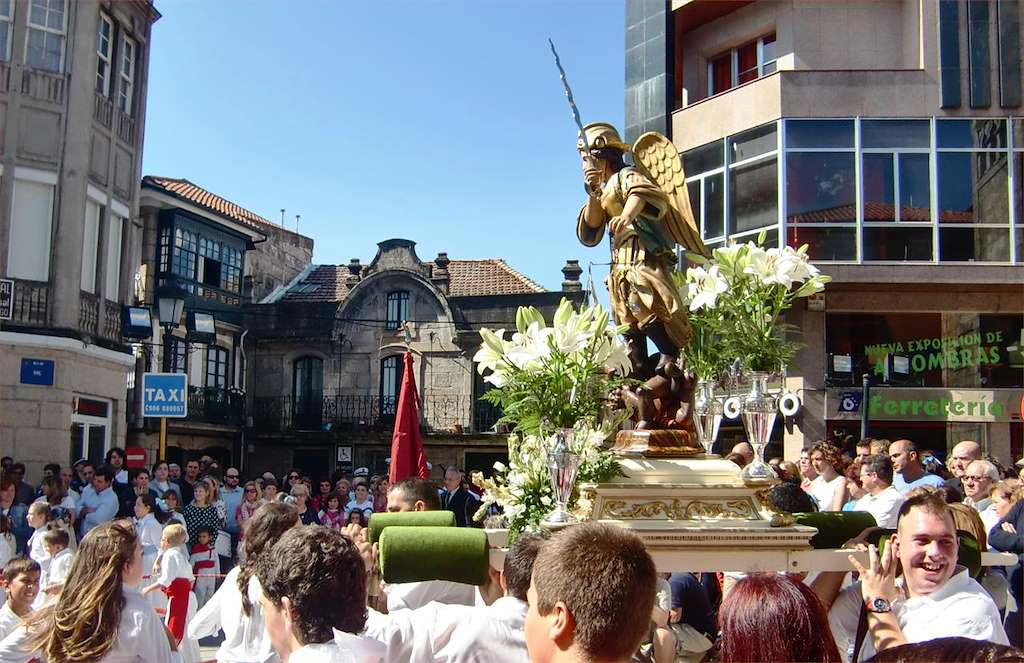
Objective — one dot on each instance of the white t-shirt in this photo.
(141, 638)
(960, 608)
(439, 633)
(8, 620)
(885, 506)
(173, 564)
(60, 564)
(245, 639)
(346, 648)
(824, 492)
(412, 595)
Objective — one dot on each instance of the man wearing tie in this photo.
(456, 498)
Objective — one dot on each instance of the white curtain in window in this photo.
(28, 254)
(113, 263)
(90, 245)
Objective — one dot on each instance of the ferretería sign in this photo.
(924, 404)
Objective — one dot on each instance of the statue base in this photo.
(666, 443)
(693, 504)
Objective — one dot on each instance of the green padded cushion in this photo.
(416, 554)
(835, 527)
(379, 521)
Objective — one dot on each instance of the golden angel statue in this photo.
(646, 212)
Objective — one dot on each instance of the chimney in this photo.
(439, 273)
(354, 271)
(571, 272)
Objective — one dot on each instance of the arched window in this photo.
(390, 382)
(398, 308)
(307, 391)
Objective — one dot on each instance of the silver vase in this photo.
(759, 411)
(562, 467)
(707, 414)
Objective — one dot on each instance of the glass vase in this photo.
(562, 467)
(707, 414)
(759, 410)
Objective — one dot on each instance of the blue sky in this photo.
(440, 122)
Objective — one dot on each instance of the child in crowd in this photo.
(56, 542)
(38, 518)
(205, 566)
(172, 505)
(173, 576)
(270, 492)
(356, 517)
(314, 598)
(21, 582)
(332, 516)
(362, 501)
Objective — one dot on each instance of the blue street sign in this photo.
(165, 395)
(849, 401)
(37, 371)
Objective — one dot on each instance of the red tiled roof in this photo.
(879, 212)
(468, 278)
(492, 276)
(197, 195)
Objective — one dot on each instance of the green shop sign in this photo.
(921, 404)
(968, 350)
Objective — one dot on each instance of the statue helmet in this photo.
(601, 135)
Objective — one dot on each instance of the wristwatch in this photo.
(878, 604)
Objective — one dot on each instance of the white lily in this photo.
(772, 267)
(704, 287)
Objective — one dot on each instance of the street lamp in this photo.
(170, 301)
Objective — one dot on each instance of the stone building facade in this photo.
(73, 82)
(328, 353)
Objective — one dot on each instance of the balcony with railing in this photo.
(446, 413)
(216, 405)
(126, 127)
(99, 317)
(30, 304)
(102, 109)
(43, 86)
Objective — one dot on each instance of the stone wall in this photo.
(276, 261)
(36, 420)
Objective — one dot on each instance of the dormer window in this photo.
(398, 309)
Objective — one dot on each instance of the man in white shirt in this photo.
(933, 598)
(882, 500)
(314, 584)
(978, 479)
(415, 494)
(99, 501)
(440, 633)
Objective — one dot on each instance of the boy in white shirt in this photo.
(314, 598)
(173, 576)
(56, 542)
(21, 582)
(205, 566)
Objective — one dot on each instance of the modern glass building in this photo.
(889, 138)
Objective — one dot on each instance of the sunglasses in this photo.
(231, 476)
(250, 490)
(294, 476)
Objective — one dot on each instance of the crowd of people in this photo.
(129, 584)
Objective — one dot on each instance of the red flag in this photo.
(407, 457)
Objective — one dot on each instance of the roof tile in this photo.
(182, 188)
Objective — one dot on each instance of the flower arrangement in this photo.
(523, 489)
(736, 300)
(546, 378)
(557, 376)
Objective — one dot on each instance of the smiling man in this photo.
(934, 597)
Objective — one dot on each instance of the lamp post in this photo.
(170, 301)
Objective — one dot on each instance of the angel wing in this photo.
(658, 159)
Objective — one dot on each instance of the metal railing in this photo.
(441, 413)
(216, 405)
(111, 320)
(43, 86)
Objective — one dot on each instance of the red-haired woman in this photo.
(772, 617)
(830, 488)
